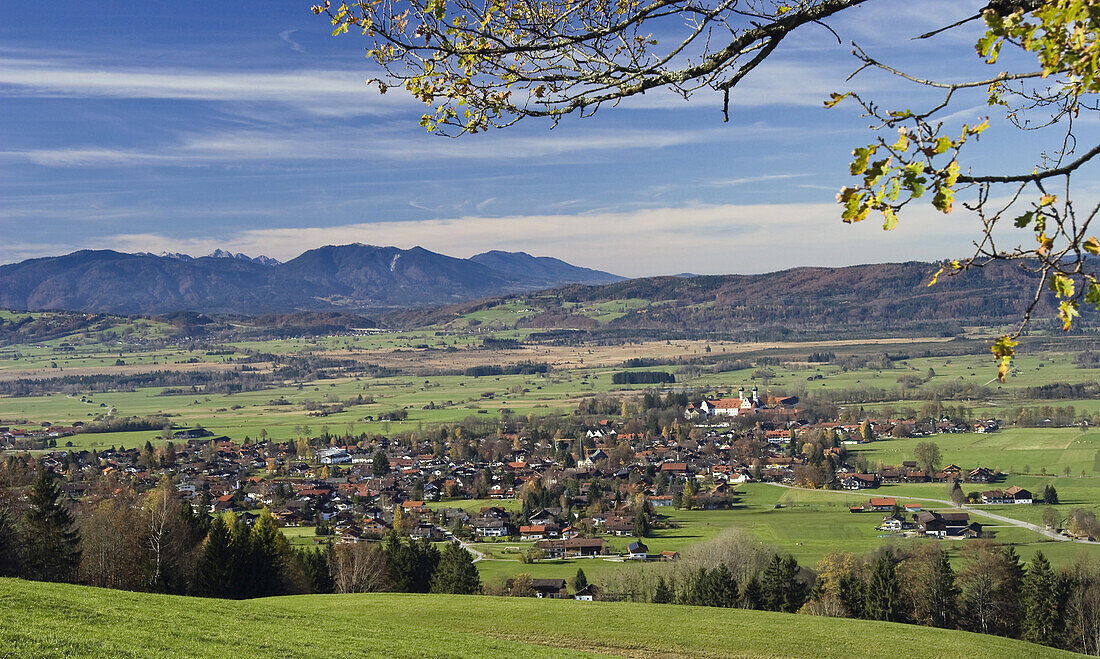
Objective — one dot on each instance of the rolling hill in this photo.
(889, 297)
(346, 277)
(58, 620)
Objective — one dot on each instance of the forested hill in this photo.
(335, 277)
(881, 297)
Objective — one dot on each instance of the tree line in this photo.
(991, 591)
(156, 542)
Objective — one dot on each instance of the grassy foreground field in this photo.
(55, 620)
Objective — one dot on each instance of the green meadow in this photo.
(806, 524)
(58, 620)
(809, 524)
(1018, 451)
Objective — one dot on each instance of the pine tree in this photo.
(752, 596)
(1041, 598)
(241, 584)
(641, 525)
(51, 542)
(722, 587)
(781, 587)
(663, 595)
(380, 465)
(456, 572)
(884, 589)
(268, 553)
(581, 580)
(318, 567)
(212, 574)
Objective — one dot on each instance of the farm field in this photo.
(808, 524)
(60, 620)
(577, 371)
(805, 524)
(1018, 451)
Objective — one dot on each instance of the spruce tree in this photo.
(641, 525)
(318, 567)
(400, 564)
(883, 591)
(456, 572)
(380, 465)
(241, 584)
(852, 591)
(781, 587)
(935, 593)
(663, 595)
(425, 562)
(580, 582)
(1050, 495)
(722, 587)
(752, 596)
(212, 574)
(51, 542)
(693, 591)
(268, 553)
(1041, 599)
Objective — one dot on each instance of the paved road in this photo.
(478, 556)
(976, 511)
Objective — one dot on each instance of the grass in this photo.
(474, 506)
(1018, 451)
(807, 525)
(56, 620)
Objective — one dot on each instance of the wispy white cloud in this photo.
(360, 144)
(294, 45)
(320, 92)
(722, 183)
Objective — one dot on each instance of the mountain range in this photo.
(334, 277)
(875, 299)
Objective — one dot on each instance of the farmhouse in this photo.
(895, 522)
(1017, 494)
(943, 525)
(572, 547)
(859, 481)
(882, 504)
(547, 588)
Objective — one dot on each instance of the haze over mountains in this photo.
(352, 277)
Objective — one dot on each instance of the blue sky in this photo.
(178, 126)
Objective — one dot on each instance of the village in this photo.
(595, 490)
